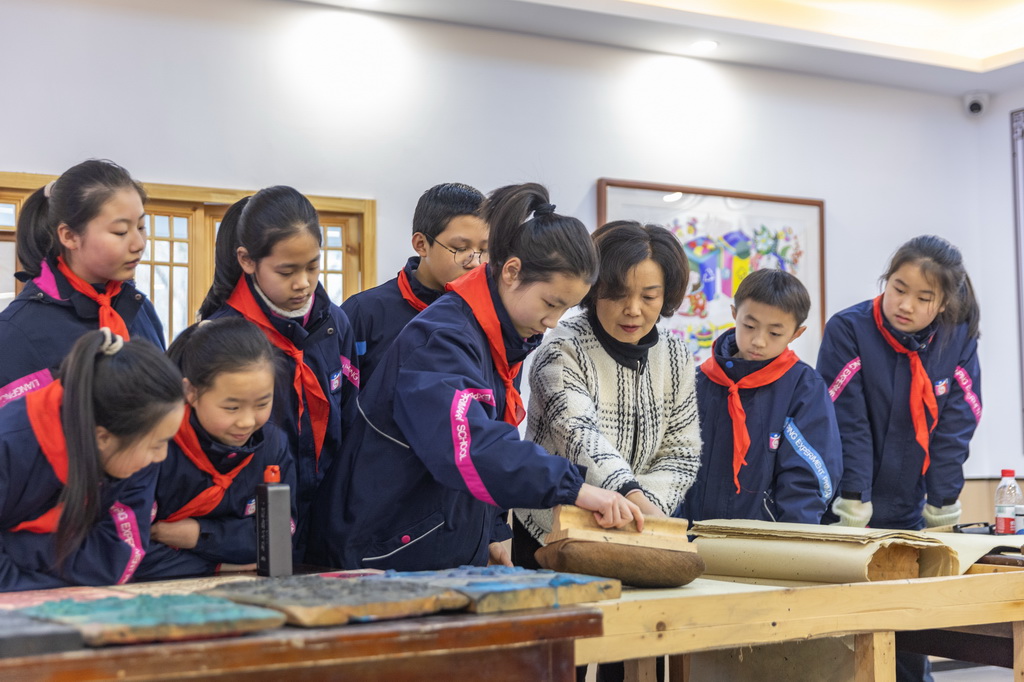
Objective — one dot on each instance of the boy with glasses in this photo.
(450, 239)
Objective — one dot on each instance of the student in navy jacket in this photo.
(267, 269)
(76, 481)
(902, 470)
(79, 240)
(428, 471)
(789, 459)
(450, 239)
(206, 493)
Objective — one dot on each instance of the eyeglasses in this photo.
(464, 256)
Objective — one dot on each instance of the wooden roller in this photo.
(659, 556)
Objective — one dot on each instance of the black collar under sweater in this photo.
(629, 355)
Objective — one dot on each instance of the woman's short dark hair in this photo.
(547, 244)
(73, 199)
(624, 244)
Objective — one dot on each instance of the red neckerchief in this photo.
(762, 377)
(108, 316)
(473, 288)
(43, 408)
(206, 501)
(242, 300)
(921, 392)
(407, 293)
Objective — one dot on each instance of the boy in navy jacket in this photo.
(450, 239)
(771, 448)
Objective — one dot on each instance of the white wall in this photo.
(247, 93)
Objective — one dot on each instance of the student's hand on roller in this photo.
(182, 534)
(611, 510)
(648, 508)
(498, 555)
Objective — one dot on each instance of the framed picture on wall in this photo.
(725, 236)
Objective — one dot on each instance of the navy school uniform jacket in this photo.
(870, 385)
(112, 550)
(228, 533)
(427, 474)
(327, 345)
(40, 326)
(794, 462)
(378, 314)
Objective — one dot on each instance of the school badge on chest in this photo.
(942, 387)
(336, 380)
(250, 507)
(773, 440)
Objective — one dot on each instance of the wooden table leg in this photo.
(641, 670)
(1018, 651)
(875, 657)
(679, 668)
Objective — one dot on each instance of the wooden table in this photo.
(524, 645)
(712, 614)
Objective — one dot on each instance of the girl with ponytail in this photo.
(79, 240)
(206, 493)
(75, 460)
(435, 458)
(904, 377)
(267, 271)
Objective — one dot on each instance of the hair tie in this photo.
(544, 209)
(48, 188)
(112, 342)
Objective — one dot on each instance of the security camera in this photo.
(975, 103)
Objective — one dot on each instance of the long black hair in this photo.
(624, 244)
(942, 265)
(127, 393)
(256, 223)
(547, 244)
(75, 198)
(229, 344)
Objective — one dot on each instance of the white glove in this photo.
(942, 516)
(851, 512)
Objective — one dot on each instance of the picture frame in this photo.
(725, 235)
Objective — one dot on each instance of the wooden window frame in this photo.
(206, 200)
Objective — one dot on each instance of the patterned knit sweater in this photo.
(629, 428)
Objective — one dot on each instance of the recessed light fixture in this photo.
(704, 46)
(669, 198)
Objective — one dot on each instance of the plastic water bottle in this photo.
(1008, 496)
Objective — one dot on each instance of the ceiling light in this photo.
(669, 198)
(704, 46)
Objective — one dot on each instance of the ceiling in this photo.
(942, 46)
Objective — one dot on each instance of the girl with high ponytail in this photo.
(75, 460)
(435, 458)
(267, 271)
(79, 240)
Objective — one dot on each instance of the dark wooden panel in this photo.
(525, 641)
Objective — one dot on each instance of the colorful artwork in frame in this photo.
(725, 236)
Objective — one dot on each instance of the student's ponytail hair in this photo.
(547, 244)
(228, 344)
(943, 266)
(127, 392)
(256, 223)
(73, 199)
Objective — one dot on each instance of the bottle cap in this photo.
(272, 474)
(1008, 472)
